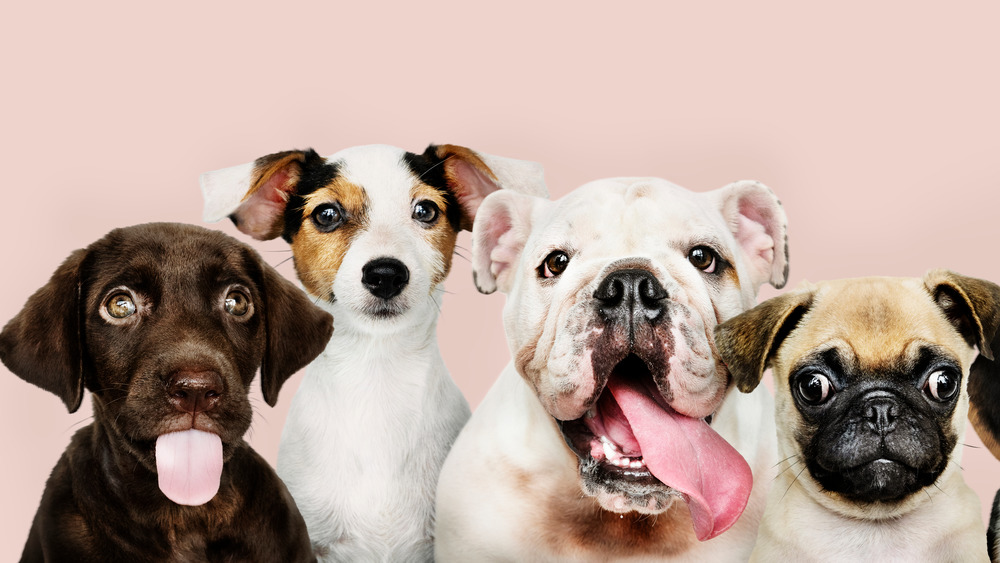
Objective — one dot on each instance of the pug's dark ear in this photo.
(973, 306)
(297, 331)
(42, 343)
(748, 341)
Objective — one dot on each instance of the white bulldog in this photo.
(615, 434)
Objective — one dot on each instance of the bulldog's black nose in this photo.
(385, 277)
(631, 291)
(881, 412)
(195, 391)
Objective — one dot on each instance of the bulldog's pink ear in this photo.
(502, 226)
(758, 222)
(254, 195)
(472, 176)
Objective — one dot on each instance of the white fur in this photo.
(510, 464)
(377, 412)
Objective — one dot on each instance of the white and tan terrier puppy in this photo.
(372, 231)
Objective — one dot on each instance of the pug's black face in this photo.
(876, 431)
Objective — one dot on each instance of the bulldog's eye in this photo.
(327, 217)
(555, 263)
(941, 386)
(426, 212)
(813, 388)
(120, 305)
(237, 303)
(703, 258)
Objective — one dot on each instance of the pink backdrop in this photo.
(875, 123)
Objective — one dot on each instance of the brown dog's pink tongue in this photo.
(686, 454)
(189, 466)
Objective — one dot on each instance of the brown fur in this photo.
(318, 255)
(102, 502)
(440, 235)
(458, 162)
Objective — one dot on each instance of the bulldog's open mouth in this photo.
(636, 439)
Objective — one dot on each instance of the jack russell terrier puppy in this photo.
(372, 231)
(614, 434)
(870, 396)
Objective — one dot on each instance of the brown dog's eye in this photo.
(555, 263)
(237, 303)
(426, 212)
(120, 306)
(703, 258)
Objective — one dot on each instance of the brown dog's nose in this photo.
(194, 391)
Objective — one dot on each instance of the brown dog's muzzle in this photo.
(195, 391)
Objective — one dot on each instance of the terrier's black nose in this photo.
(385, 277)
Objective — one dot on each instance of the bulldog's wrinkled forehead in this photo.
(629, 216)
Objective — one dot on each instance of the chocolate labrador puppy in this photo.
(166, 325)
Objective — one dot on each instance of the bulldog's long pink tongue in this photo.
(189, 465)
(686, 454)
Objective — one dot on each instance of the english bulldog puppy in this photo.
(870, 385)
(614, 433)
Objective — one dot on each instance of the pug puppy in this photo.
(870, 401)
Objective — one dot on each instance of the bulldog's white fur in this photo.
(377, 411)
(511, 488)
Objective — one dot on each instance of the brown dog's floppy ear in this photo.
(749, 340)
(296, 332)
(254, 195)
(471, 176)
(973, 306)
(42, 343)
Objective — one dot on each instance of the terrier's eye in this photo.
(327, 217)
(426, 211)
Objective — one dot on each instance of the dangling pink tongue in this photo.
(686, 454)
(189, 465)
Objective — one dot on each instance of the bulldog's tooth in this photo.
(636, 464)
(591, 413)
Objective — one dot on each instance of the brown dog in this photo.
(166, 325)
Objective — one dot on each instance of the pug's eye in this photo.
(237, 303)
(327, 217)
(426, 211)
(941, 386)
(555, 263)
(703, 258)
(813, 388)
(120, 305)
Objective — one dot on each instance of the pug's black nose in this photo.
(385, 277)
(881, 413)
(631, 293)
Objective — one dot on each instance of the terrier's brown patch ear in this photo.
(973, 306)
(273, 179)
(42, 343)
(297, 332)
(471, 176)
(747, 342)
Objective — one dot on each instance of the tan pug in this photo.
(870, 403)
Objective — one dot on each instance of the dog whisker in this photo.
(283, 261)
(435, 165)
(797, 475)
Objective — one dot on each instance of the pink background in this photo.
(876, 124)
